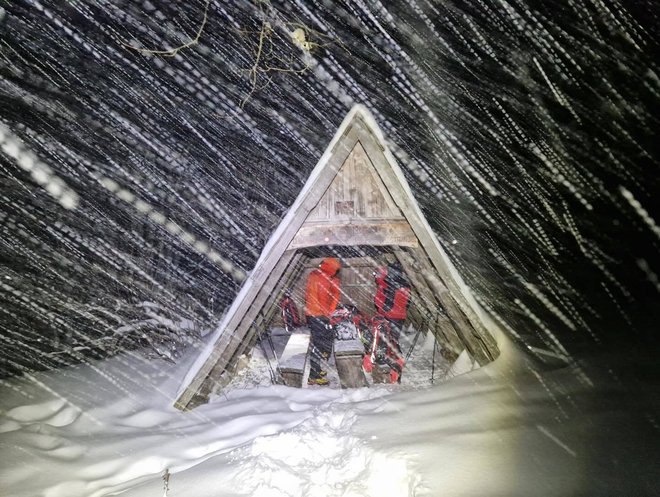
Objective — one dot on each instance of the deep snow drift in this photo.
(505, 429)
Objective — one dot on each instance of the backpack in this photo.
(290, 315)
(347, 322)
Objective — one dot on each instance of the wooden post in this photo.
(348, 357)
(442, 326)
(466, 332)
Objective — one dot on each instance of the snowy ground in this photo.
(504, 429)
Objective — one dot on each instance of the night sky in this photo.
(149, 149)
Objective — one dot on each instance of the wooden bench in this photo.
(348, 357)
(294, 359)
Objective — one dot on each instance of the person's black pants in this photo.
(322, 338)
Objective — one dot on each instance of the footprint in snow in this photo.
(320, 457)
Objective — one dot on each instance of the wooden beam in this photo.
(425, 296)
(250, 341)
(354, 233)
(416, 313)
(231, 338)
(448, 331)
(367, 261)
(441, 325)
(289, 275)
(252, 330)
(240, 337)
(461, 324)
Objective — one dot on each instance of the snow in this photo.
(110, 428)
(295, 353)
(343, 347)
(553, 113)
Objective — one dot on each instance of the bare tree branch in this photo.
(174, 51)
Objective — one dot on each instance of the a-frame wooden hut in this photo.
(356, 204)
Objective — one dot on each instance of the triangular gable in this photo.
(356, 195)
(356, 208)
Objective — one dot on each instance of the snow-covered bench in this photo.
(294, 359)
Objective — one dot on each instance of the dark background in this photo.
(526, 130)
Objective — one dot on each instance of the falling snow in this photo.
(149, 149)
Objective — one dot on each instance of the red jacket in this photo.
(392, 294)
(322, 293)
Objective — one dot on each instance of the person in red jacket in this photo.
(391, 301)
(392, 295)
(321, 299)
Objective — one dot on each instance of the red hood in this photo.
(330, 266)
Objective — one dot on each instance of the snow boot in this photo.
(317, 381)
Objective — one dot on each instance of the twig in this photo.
(265, 59)
(265, 27)
(166, 481)
(174, 51)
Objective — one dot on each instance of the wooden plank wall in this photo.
(355, 193)
(357, 285)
